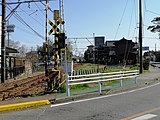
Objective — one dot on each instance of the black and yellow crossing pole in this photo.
(54, 74)
(46, 40)
(56, 56)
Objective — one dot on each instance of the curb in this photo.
(23, 105)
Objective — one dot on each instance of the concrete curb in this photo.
(23, 105)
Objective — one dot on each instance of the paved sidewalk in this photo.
(151, 76)
(143, 79)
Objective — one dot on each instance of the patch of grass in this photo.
(146, 71)
(86, 66)
(110, 82)
(80, 87)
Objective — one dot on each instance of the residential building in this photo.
(121, 51)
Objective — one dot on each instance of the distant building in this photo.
(126, 52)
(121, 51)
(99, 41)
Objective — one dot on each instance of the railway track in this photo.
(23, 88)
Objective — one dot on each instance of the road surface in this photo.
(139, 104)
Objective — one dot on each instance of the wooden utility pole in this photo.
(140, 37)
(3, 41)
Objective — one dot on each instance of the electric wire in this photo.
(129, 29)
(24, 30)
(121, 19)
(33, 18)
(130, 45)
(129, 48)
(39, 9)
(146, 9)
(135, 31)
(26, 24)
(48, 6)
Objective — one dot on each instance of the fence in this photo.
(99, 78)
(82, 72)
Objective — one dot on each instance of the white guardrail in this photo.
(99, 78)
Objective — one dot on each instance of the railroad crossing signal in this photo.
(61, 40)
(55, 26)
(58, 37)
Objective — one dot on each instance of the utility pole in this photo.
(62, 28)
(3, 41)
(140, 37)
(46, 39)
(4, 19)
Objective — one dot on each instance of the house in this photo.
(10, 63)
(114, 52)
(125, 51)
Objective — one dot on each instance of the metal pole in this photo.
(66, 61)
(94, 52)
(60, 16)
(140, 36)
(8, 35)
(3, 41)
(46, 39)
(67, 86)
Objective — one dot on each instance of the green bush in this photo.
(62, 88)
(146, 64)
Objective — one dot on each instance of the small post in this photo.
(121, 83)
(99, 87)
(135, 78)
(67, 86)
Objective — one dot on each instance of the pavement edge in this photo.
(23, 105)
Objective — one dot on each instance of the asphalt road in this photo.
(141, 104)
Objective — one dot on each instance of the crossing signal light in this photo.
(61, 40)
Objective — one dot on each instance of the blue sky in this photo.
(113, 19)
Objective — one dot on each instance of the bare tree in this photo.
(22, 49)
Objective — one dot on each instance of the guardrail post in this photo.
(67, 86)
(135, 78)
(121, 83)
(99, 87)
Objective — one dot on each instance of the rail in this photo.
(99, 78)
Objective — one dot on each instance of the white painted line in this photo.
(145, 117)
(106, 96)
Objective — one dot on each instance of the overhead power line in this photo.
(28, 1)
(121, 19)
(32, 18)
(20, 19)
